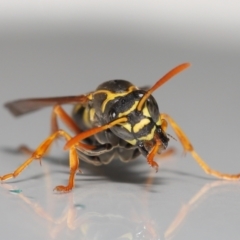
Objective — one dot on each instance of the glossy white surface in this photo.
(42, 56)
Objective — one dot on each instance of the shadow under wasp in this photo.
(117, 120)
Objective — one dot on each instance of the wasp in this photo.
(117, 120)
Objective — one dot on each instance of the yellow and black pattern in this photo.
(112, 100)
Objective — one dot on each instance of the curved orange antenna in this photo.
(90, 132)
(160, 82)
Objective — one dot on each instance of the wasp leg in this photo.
(187, 146)
(151, 155)
(167, 153)
(69, 122)
(41, 152)
(59, 112)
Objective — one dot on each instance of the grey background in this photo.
(58, 48)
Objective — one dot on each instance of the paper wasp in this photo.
(117, 120)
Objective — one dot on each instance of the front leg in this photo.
(188, 147)
(41, 151)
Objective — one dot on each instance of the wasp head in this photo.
(143, 127)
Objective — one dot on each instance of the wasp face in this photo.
(159, 139)
(143, 127)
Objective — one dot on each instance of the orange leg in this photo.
(167, 153)
(151, 155)
(187, 146)
(41, 152)
(59, 112)
(69, 122)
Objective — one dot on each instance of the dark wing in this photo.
(23, 106)
(145, 88)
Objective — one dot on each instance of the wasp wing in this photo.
(23, 106)
(145, 88)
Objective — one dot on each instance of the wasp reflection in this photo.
(120, 216)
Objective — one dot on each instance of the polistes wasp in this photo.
(117, 120)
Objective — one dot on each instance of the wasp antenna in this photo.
(161, 81)
(90, 132)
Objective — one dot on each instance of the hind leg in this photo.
(187, 146)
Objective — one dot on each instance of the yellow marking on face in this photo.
(159, 122)
(133, 142)
(146, 112)
(127, 126)
(111, 95)
(150, 136)
(133, 107)
(138, 126)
